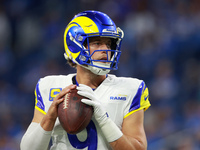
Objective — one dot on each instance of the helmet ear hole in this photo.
(114, 43)
(85, 43)
(112, 53)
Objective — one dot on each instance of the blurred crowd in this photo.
(161, 46)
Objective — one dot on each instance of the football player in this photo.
(92, 45)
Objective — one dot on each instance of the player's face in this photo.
(100, 43)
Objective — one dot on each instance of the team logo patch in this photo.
(54, 92)
(119, 97)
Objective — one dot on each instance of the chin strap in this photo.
(98, 71)
(95, 70)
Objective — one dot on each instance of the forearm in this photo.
(47, 123)
(129, 143)
(118, 140)
(35, 138)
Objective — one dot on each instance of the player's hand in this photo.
(53, 110)
(108, 127)
(99, 113)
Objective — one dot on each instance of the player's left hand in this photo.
(99, 112)
(108, 127)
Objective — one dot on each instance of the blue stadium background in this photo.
(161, 46)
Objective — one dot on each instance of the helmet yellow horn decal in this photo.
(86, 24)
(88, 27)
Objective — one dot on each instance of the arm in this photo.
(38, 134)
(134, 137)
(35, 138)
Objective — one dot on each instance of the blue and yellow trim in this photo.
(39, 105)
(140, 101)
(39, 109)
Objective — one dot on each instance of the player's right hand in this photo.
(53, 109)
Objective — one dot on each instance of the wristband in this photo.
(110, 130)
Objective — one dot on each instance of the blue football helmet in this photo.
(77, 33)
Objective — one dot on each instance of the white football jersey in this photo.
(120, 97)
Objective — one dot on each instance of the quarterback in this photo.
(93, 46)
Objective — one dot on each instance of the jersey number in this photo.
(90, 142)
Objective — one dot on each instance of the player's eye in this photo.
(94, 44)
(108, 45)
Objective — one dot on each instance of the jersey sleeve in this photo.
(39, 103)
(140, 100)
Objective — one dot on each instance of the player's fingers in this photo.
(88, 102)
(56, 102)
(65, 91)
(68, 88)
(60, 100)
(86, 94)
(83, 87)
(85, 91)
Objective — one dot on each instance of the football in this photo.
(74, 116)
